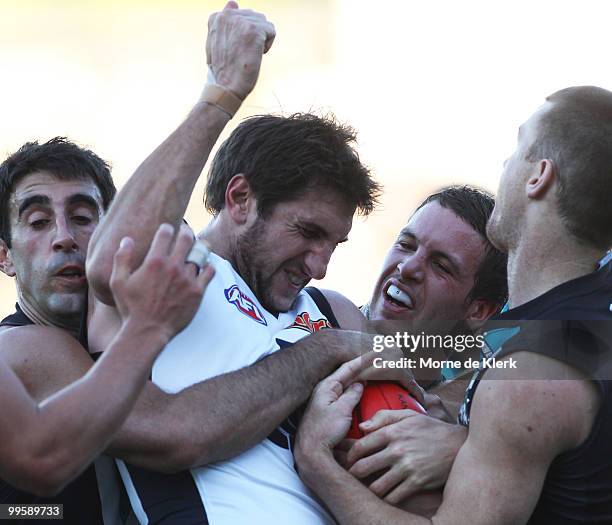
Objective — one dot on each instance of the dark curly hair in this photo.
(58, 156)
(282, 157)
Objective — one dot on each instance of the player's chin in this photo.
(282, 295)
(284, 304)
(66, 303)
(282, 300)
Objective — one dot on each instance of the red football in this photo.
(381, 395)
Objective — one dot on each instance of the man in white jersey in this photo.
(283, 192)
(158, 434)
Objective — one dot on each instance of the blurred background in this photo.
(435, 89)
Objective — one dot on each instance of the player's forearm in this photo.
(63, 436)
(351, 502)
(228, 414)
(158, 192)
(252, 402)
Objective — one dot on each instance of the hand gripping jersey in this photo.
(230, 330)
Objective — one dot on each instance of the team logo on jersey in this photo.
(304, 322)
(244, 303)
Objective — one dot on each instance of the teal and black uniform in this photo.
(573, 324)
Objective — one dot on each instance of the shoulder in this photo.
(348, 315)
(38, 354)
(28, 338)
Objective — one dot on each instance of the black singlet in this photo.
(573, 324)
(80, 498)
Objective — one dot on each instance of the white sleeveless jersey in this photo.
(232, 330)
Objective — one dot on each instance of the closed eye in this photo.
(443, 268)
(309, 234)
(39, 224)
(406, 245)
(82, 220)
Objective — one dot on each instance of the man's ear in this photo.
(541, 180)
(6, 262)
(239, 199)
(479, 312)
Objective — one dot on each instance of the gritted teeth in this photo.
(294, 279)
(399, 296)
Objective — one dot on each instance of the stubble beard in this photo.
(248, 264)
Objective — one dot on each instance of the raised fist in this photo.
(237, 40)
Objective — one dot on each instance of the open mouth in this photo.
(72, 273)
(398, 297)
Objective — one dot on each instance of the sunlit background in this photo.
(435, 89)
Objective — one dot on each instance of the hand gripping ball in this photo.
(381, 395)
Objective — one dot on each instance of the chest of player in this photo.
(230, 330)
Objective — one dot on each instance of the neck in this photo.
(41, 319)
(217, 238)
(536, 266)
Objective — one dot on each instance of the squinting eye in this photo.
(81, 219)
(443, 268)
(308, 234)
(405, 245)
(39, 224)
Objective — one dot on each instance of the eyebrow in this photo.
(82, 198)
(43, 200)
(407, 232)
(320, 231)
(34, 200)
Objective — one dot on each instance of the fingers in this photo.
(367, 466)
(122, 261)
(205, 276)
(184, 242)
(270, 36)
(410, 384)
(349, 398)
(383, 418)
(162, 247)
(161, 242)
(405, 489)
(368, 445)
(387, 481)
(336, 385)
(346, 444)
(350, 370)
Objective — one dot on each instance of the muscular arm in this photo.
(517, 428)
(160, 189)
(158, 435)
(44, 446)
(230, 413)
(158, 192)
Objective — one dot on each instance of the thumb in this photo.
(231, 5)
(350, 397)
(122, 261)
